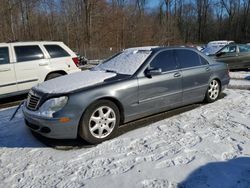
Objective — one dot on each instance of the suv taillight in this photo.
(76, 61)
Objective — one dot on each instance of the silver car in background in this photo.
(135, 83)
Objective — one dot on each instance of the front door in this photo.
(161, 91)
(7, 72)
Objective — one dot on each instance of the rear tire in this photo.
(52, 76)
(99, 122)
(213, 91)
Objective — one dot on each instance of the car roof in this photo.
(173, 47)
(221, 42)
(156, 49)
(32, 42)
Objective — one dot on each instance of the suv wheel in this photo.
(52, 76)
(99, 122)
(213, 91)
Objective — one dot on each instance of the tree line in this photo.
(98, 28)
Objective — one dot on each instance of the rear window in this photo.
(56, 51)
(4, 55)
(188, 58)
(28, 53)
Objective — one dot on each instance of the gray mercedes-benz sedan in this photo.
(132, 84)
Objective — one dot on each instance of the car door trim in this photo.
(27, 81)
(157, 97)
(9, 84)
(21, 82)
(196, 87)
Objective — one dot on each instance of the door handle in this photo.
(177, 74)
(208, 69)
(5, 70)
(43, 64)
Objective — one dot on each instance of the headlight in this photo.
(52, 105)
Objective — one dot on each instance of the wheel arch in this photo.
(58, 71)
(112, 99)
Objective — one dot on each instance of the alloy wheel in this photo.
(102, 122)
(214, 89)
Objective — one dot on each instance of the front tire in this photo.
(213, 91)
(99, 122)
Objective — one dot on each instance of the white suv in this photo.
(25, 64)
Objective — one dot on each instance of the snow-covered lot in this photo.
(207, 146)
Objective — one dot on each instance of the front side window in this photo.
(56, 51)
(229, 49)
(4, 55)
(28, 53)
(187, 58)
(165, 61)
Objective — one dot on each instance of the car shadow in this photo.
(231, 173)
(123, 129)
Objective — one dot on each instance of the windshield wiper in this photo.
(113, 71)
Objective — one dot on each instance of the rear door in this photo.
(59, 57)
(29, 59)
(7, 72)
(195, 75)
(164, 90)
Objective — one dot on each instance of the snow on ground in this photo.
(240, 80)
(208, 146)
(240, 75)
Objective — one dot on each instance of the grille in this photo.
(33, 101)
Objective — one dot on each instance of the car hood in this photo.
(75, 81)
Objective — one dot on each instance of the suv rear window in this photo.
(56, 51)
(28, 53)
(4, 55)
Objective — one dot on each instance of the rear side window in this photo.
(28, 53)
(203, 61)
(164, 60)
(187, 58)
(4, 55)
(244, 48)
(56, 51)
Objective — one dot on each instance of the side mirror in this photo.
(154, 71)
(220, 54)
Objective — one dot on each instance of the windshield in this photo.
(126, 62)
(212, 49)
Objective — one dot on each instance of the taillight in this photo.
(76, 61)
